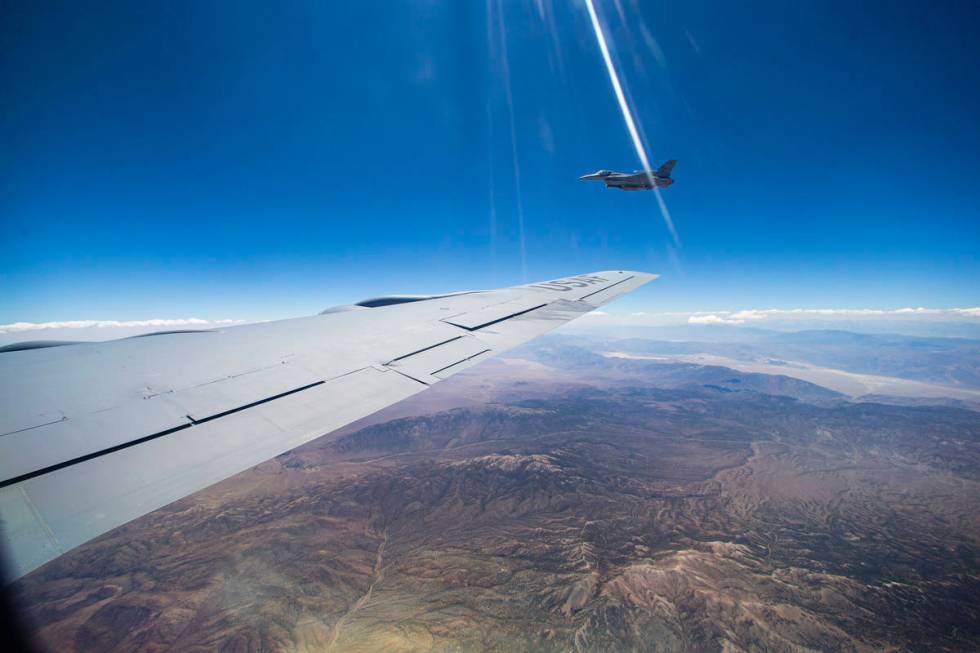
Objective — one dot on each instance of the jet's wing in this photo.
(93, 435)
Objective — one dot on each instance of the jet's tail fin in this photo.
(664, 170)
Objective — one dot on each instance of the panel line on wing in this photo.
(419, 351)
(45, 527)
(612, 285)
(130, 443)
(468, 358)
(90, 456)
(496, 321)
(35, 426)
(254, 403)
(408, 376)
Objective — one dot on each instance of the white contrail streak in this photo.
(491, 55)
(628, 115)
(513, 138)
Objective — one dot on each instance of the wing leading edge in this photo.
(94, 435)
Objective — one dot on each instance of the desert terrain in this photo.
(558, 500)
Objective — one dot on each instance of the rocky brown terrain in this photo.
(560, 502)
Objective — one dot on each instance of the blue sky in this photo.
(250, 161)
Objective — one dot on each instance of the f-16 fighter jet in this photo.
(637, 180)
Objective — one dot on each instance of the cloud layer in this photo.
(735, 318)
(754, 315)
(159, 323)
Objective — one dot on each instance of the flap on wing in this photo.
(435, 363)
(31, 451)
(49, 514)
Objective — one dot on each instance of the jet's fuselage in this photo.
(638, 180)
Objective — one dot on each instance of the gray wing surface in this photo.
(94, 435)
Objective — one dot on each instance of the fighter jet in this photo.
(637, 180)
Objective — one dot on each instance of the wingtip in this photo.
(646, 276)
(649, 276)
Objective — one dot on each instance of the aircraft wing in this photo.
(94, 435)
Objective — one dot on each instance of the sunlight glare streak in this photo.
(628, 116)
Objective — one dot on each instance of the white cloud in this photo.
(748, 315)
(968, 312)
(736, 317)
(774, 317)
(713, 319)
(159, 323)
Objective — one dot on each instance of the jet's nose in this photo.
(591, 175)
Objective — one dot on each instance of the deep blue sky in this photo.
(247, 160)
